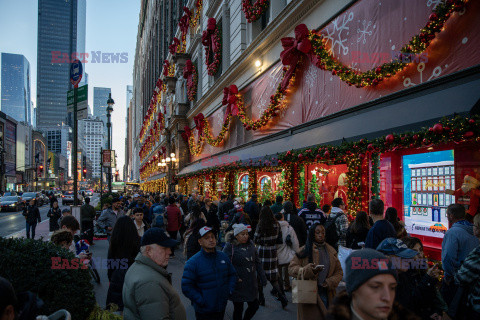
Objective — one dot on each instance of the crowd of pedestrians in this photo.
(234, 249)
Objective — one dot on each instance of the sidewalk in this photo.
(272, 309)
(42, 231)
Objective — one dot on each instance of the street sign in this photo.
(76, 72)
(82, 101)
(106, 158)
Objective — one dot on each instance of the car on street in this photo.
(67, 198)
(89, 193)
(11, 203)
(27, 196)
(9, 193)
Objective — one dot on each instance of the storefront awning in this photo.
(406, 110)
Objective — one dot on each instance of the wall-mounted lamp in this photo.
(258, 63)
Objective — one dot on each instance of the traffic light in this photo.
(40, 170)
(84, 170)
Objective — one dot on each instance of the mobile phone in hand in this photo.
(319, 266)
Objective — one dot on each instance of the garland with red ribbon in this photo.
(255, 10)
(212, 41)
(190, 73)
(174, 46)
(196, 17)
(309, 44)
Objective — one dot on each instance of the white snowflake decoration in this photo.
(311, 76)
(407, 82)
(335, 35)
(435, 3)
(364, 32)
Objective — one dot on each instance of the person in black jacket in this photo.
(297, 223)
(124, 247)
(191, 238)
(32, 215)
(210, 211)
(253, 210)
(358, 230)
(225, 205)
(54, 214)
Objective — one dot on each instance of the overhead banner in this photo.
(363, 37)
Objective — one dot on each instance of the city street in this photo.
(14, 222)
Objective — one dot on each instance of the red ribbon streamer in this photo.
(199, 120)
(208, 35)
(184, 22)
(230, 99)
(173, 47)
(166, 65)
(188, 72)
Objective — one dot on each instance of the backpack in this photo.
(331, 235)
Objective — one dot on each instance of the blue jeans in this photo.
(30, 226)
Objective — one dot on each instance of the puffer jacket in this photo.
(208, 281)
(244, 258)
(148, 292)
(32, 214)
(285, 252)
(457, 243)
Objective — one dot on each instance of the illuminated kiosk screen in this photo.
(426, 176)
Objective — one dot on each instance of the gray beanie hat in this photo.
(362, 265)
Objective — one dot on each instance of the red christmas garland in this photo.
(255, 10)
(190, 73)
(212, 40)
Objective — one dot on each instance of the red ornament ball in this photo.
(433, 17)
(370, 147)
(390, 138)
(471, 121)
(468, 134)
(318, 157)
(327, 154)
(415, 137)
(300, 156)
(437, 128)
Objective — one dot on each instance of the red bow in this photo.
(173, 47)
(188, 72)
(207, 36)
(166, 65)
(293, 50)
(230, 99)
(186, 134)
(184, 22)
(199, 120)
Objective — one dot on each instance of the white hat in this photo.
(238, 228)
(136, 195)
(203, 231)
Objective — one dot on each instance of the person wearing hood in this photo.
(243, 254)
(338, 216)
(310, 213)
(318, 261)
(285, 251)
(417, 283)
(457, 243)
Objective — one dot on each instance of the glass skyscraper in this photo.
(100, 97)
(61, 32)
(15, 87)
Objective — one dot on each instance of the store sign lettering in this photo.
(430, 184)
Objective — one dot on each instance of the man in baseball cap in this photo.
(371, 283)
(209, 278)
(147, 290)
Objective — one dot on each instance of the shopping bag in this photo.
(343, 253)
(304, 291)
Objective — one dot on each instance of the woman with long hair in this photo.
(191, 245)
(358, 230)
(267, 235)
(392, 217)
(124, 247)
(317, 260)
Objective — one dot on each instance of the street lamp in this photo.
(110, 104)
(171, 162)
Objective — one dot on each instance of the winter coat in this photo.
(54, 214)
(32, 214)
(267, 251)
(244, 258)
(341, 223)
(341, 310)
(212, 218)
(208, 281)
(108, 218)
(457, 243)
(299, 226)
(353, 238)
(334, 276)
(87, 213)
(417, 291)
(191, 244)
(381, 230)
(276, 207)
(469, 276)
(114, 293)
(224, 208)
(253, 210)
(286, 253)
(239, 217)
(148, 292)
(311, 214)
(174, 217)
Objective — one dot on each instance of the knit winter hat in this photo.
(238, 227)
(362, 265)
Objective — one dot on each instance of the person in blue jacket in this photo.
(209, 278)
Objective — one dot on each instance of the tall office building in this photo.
(61, 32)
(58, 138)
(129, 95)
(15, 87)
(100, 97)
(91, 131)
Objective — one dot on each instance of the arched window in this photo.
(263, 181)
(244, 183)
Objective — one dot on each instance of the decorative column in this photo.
(201, 185)
(229, 182)
(252, 182)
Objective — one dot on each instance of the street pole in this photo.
(75, 141)
(109, 169)
(101, 178)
